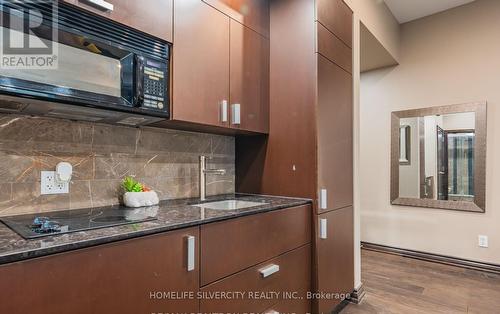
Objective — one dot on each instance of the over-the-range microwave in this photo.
(100, 71)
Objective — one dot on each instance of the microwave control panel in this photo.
(155, 85)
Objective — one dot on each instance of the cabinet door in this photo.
(150, 16)
(251, 13)
(332, 48)
(335, 148)
(250, 77)
(335, 257)
(337, 17)
(200, 63)
(121, 277)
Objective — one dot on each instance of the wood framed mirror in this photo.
(438, 157)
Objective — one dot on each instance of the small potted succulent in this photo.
(137, 194)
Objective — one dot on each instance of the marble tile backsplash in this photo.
(102, 155)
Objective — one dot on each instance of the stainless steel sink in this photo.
(229, 205)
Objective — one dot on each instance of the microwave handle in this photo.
(139, 80)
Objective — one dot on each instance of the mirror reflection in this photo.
(436, 157)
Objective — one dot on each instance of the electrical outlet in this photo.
(50, 186)
(483, 241)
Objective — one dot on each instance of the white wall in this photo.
(379, 20)
(447, 58)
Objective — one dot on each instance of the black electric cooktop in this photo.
(31, 226)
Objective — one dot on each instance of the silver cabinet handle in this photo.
(271, 312)
(269, 270)
(190, 252)
(323, 228)
(236, 114)
(101, 4)
(323, 199)
(223, 111)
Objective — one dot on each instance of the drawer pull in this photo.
(269, 270)
(271, 312)
(101, 4)
(190, 253)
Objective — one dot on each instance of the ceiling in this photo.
(409, 10)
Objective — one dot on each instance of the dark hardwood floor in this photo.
(401, 285)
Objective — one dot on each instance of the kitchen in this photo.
(166, 163)
(249, 156)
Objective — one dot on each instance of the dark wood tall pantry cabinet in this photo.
(309, 150)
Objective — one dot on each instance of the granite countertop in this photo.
(173, 214)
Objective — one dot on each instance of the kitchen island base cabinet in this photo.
(122, 277)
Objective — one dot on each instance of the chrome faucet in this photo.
(203, 179)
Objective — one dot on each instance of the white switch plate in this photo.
(483, 241)
(49, 185)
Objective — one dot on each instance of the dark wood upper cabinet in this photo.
(249, 79)
(112, 278)
(251, 13)
(200, 63)
(334, 256)
(150, 16)
(335, 145)
(336, 16)
(218, 64)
